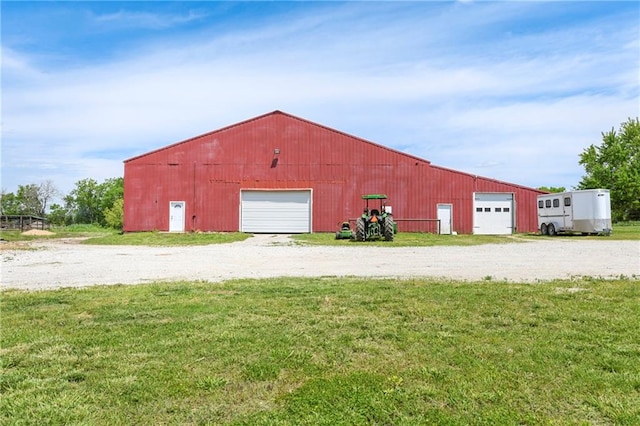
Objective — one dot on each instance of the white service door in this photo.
(176, 216)
(493, 213)
(275, 212)
(444, 216)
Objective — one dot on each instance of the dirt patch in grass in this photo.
(38, 232)
(13, 245)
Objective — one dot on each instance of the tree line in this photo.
(89, 202)
(614, 165)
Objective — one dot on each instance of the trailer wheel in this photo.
(551, 229)
(543, 229)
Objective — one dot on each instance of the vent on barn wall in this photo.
(276, 155)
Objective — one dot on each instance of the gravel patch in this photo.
(65, 263)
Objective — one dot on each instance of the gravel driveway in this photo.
(65, 263)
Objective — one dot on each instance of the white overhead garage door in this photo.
(275, 212)
(493, 213)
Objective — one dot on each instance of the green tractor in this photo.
(375, 224)
(345, 232)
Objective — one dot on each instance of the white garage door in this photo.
(493, 213)
(276, 212)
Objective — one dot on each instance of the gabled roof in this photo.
(273, 113)
(329, 129)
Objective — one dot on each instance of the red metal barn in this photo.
(277, 173)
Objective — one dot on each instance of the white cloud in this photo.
(156, 21)
(523, 116)
(16, 65)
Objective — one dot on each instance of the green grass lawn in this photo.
(104, 236)
(406, 239)
(624, 231)
(168, 239)
(323, 351)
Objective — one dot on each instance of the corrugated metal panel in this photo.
(209, 171)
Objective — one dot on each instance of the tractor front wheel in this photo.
(388, 229)
(360, 232)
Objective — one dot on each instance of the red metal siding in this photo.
(208, 171)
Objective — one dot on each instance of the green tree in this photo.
(113, 216)
(32, 199)
(58, 215)
(89, 200)
(552, 189)
(110, 191)
(9, 203)
(615, 165)
(28, 198)
(83, 202)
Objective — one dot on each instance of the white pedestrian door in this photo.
(444, 216)
(493, 213)
(567, 206)
(176, 216)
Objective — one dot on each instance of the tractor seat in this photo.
(374, 215)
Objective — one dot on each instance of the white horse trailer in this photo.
(587, 211)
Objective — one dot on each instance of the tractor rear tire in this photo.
(388, 229)
(360, 233)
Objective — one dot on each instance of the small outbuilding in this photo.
(278, 173)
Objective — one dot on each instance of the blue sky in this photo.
(509, 90)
